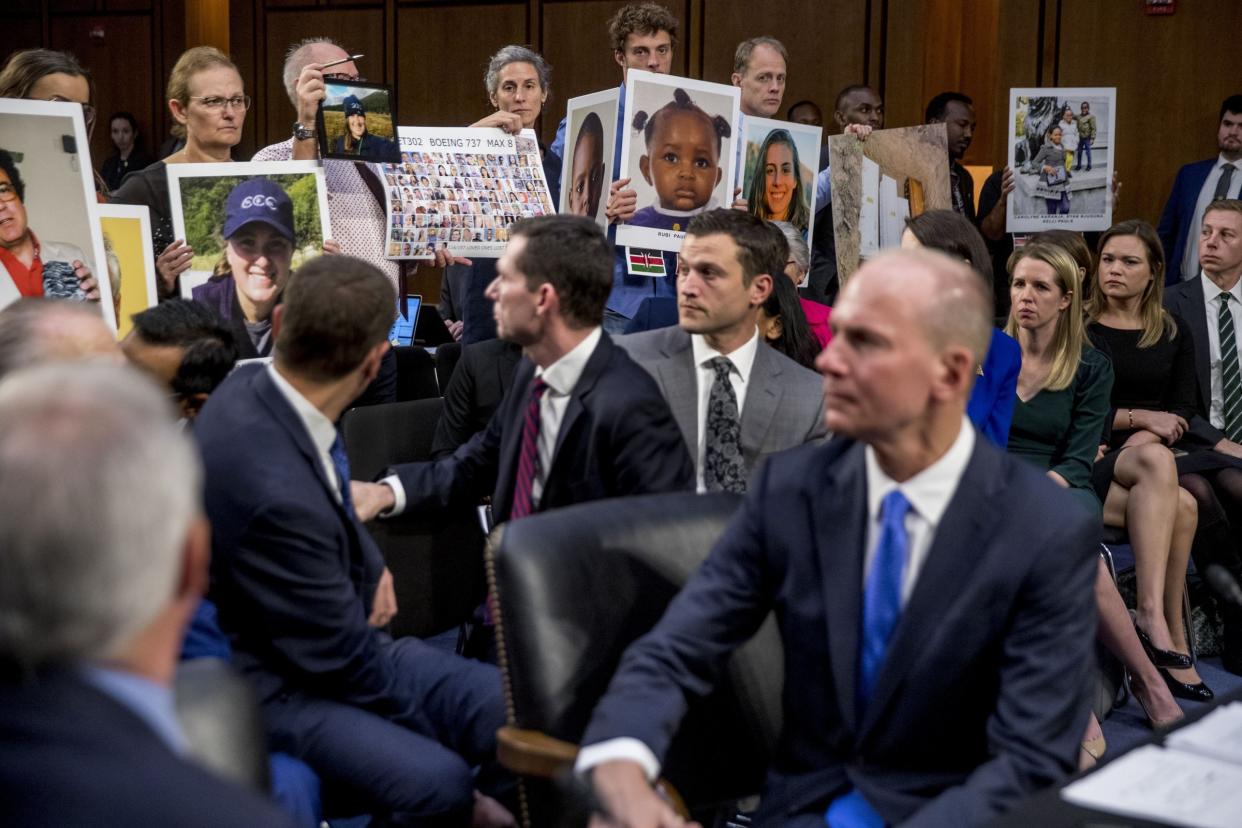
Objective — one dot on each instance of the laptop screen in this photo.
(402, 332)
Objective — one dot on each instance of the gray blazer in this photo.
(784, 404)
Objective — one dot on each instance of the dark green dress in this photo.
(1062, 430)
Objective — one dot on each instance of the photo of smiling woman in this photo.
(245, 285)
(776, 189)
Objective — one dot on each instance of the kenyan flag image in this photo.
(646, 261)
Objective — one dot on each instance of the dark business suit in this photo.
(397, 724)
(72, 755)
(783, 407)
(480, 381)
(982, 697)
(1185, 299)
(617, 438)
(1179, 213)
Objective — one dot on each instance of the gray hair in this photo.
(98, 488)
(741, 58)
(35, 330)
(798, 251)
(297, 57)
(516, 54)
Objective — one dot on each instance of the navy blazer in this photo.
(293, 575)
(991, 400)
(983, 696)
(618, 437)
(72, 755)
(1179, 212)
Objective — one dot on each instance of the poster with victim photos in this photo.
(461, 188)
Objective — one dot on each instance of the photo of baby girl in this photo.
(678, 151)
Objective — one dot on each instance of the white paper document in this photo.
(869, 210)
(1171, 786)
(1217, 735)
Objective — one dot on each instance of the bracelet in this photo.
(1131, 419)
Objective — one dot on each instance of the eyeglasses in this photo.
(7, 192)
(341, 76)
(88, 111)
(216, 103)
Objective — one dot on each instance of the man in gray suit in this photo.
(735, 399)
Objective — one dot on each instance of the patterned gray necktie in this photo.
(1230, 381)
(1222, 184)
(723, 469)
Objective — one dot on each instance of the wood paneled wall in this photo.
(1171, 72)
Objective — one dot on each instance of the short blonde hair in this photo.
(191, 62)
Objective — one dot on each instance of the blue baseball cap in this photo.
(259, 199)
(353, 106)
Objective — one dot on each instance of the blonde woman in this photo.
(1058, 423)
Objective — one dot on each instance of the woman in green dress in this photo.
(1059, 420)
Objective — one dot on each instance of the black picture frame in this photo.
(331, 133)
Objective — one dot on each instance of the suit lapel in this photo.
(1194, 313)
(573, 411)
(282, 412)
(840, 519)
(763, 396)
(961, 539)
(678, 378)
(514, 409)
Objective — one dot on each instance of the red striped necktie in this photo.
(528, 454)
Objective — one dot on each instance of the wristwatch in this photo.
(301, 133)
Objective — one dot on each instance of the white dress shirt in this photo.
(321, 430)
(742, 360)
(928, 492)
(561, 377)
(1212, 297)
(1190, 258)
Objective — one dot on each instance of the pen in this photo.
(332, 63)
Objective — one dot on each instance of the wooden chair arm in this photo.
(532, 753)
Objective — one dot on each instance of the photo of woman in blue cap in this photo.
(356, 140)
(259, 241)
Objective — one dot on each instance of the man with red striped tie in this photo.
(582, 421)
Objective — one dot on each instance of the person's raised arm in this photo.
(992, 225)
(310, 92)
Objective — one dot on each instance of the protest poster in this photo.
(131, 260)
(779, 171)
(590, 149)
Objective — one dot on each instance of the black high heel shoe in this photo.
(1191, 692)
(1159, 657)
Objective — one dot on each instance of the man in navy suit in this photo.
(1195, 187)
(104, 553)
(934, 596)
(391, 728)
(582, 421)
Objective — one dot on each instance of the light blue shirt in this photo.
(823, 189)
(149, 701)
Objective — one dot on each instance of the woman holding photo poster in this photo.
(776, 191)
(517, 82)
(208, 104)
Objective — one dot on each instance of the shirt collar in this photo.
(1211, 291)
(929, 491)
(1221, 161)
(743, 358)
(320, 428)
(149, 701)
(562, 375)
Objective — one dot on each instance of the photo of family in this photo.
(48, 206)
(355, 122)
(1061, 151)
(131, 260)
(462, 188)
(778, 180)
(591, 124)
(678, 150)
(250, 225)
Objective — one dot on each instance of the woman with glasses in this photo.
(48, 75)
(208, 103)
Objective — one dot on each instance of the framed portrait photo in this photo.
(131, 261)
(590, 147)
(779, 171)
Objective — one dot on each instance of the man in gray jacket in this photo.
(735, 399)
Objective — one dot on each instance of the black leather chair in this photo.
(436, 563)
(416, 374)
(575, 587)
(447, 356)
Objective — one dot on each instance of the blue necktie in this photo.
(340, 462)
(882, 593)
